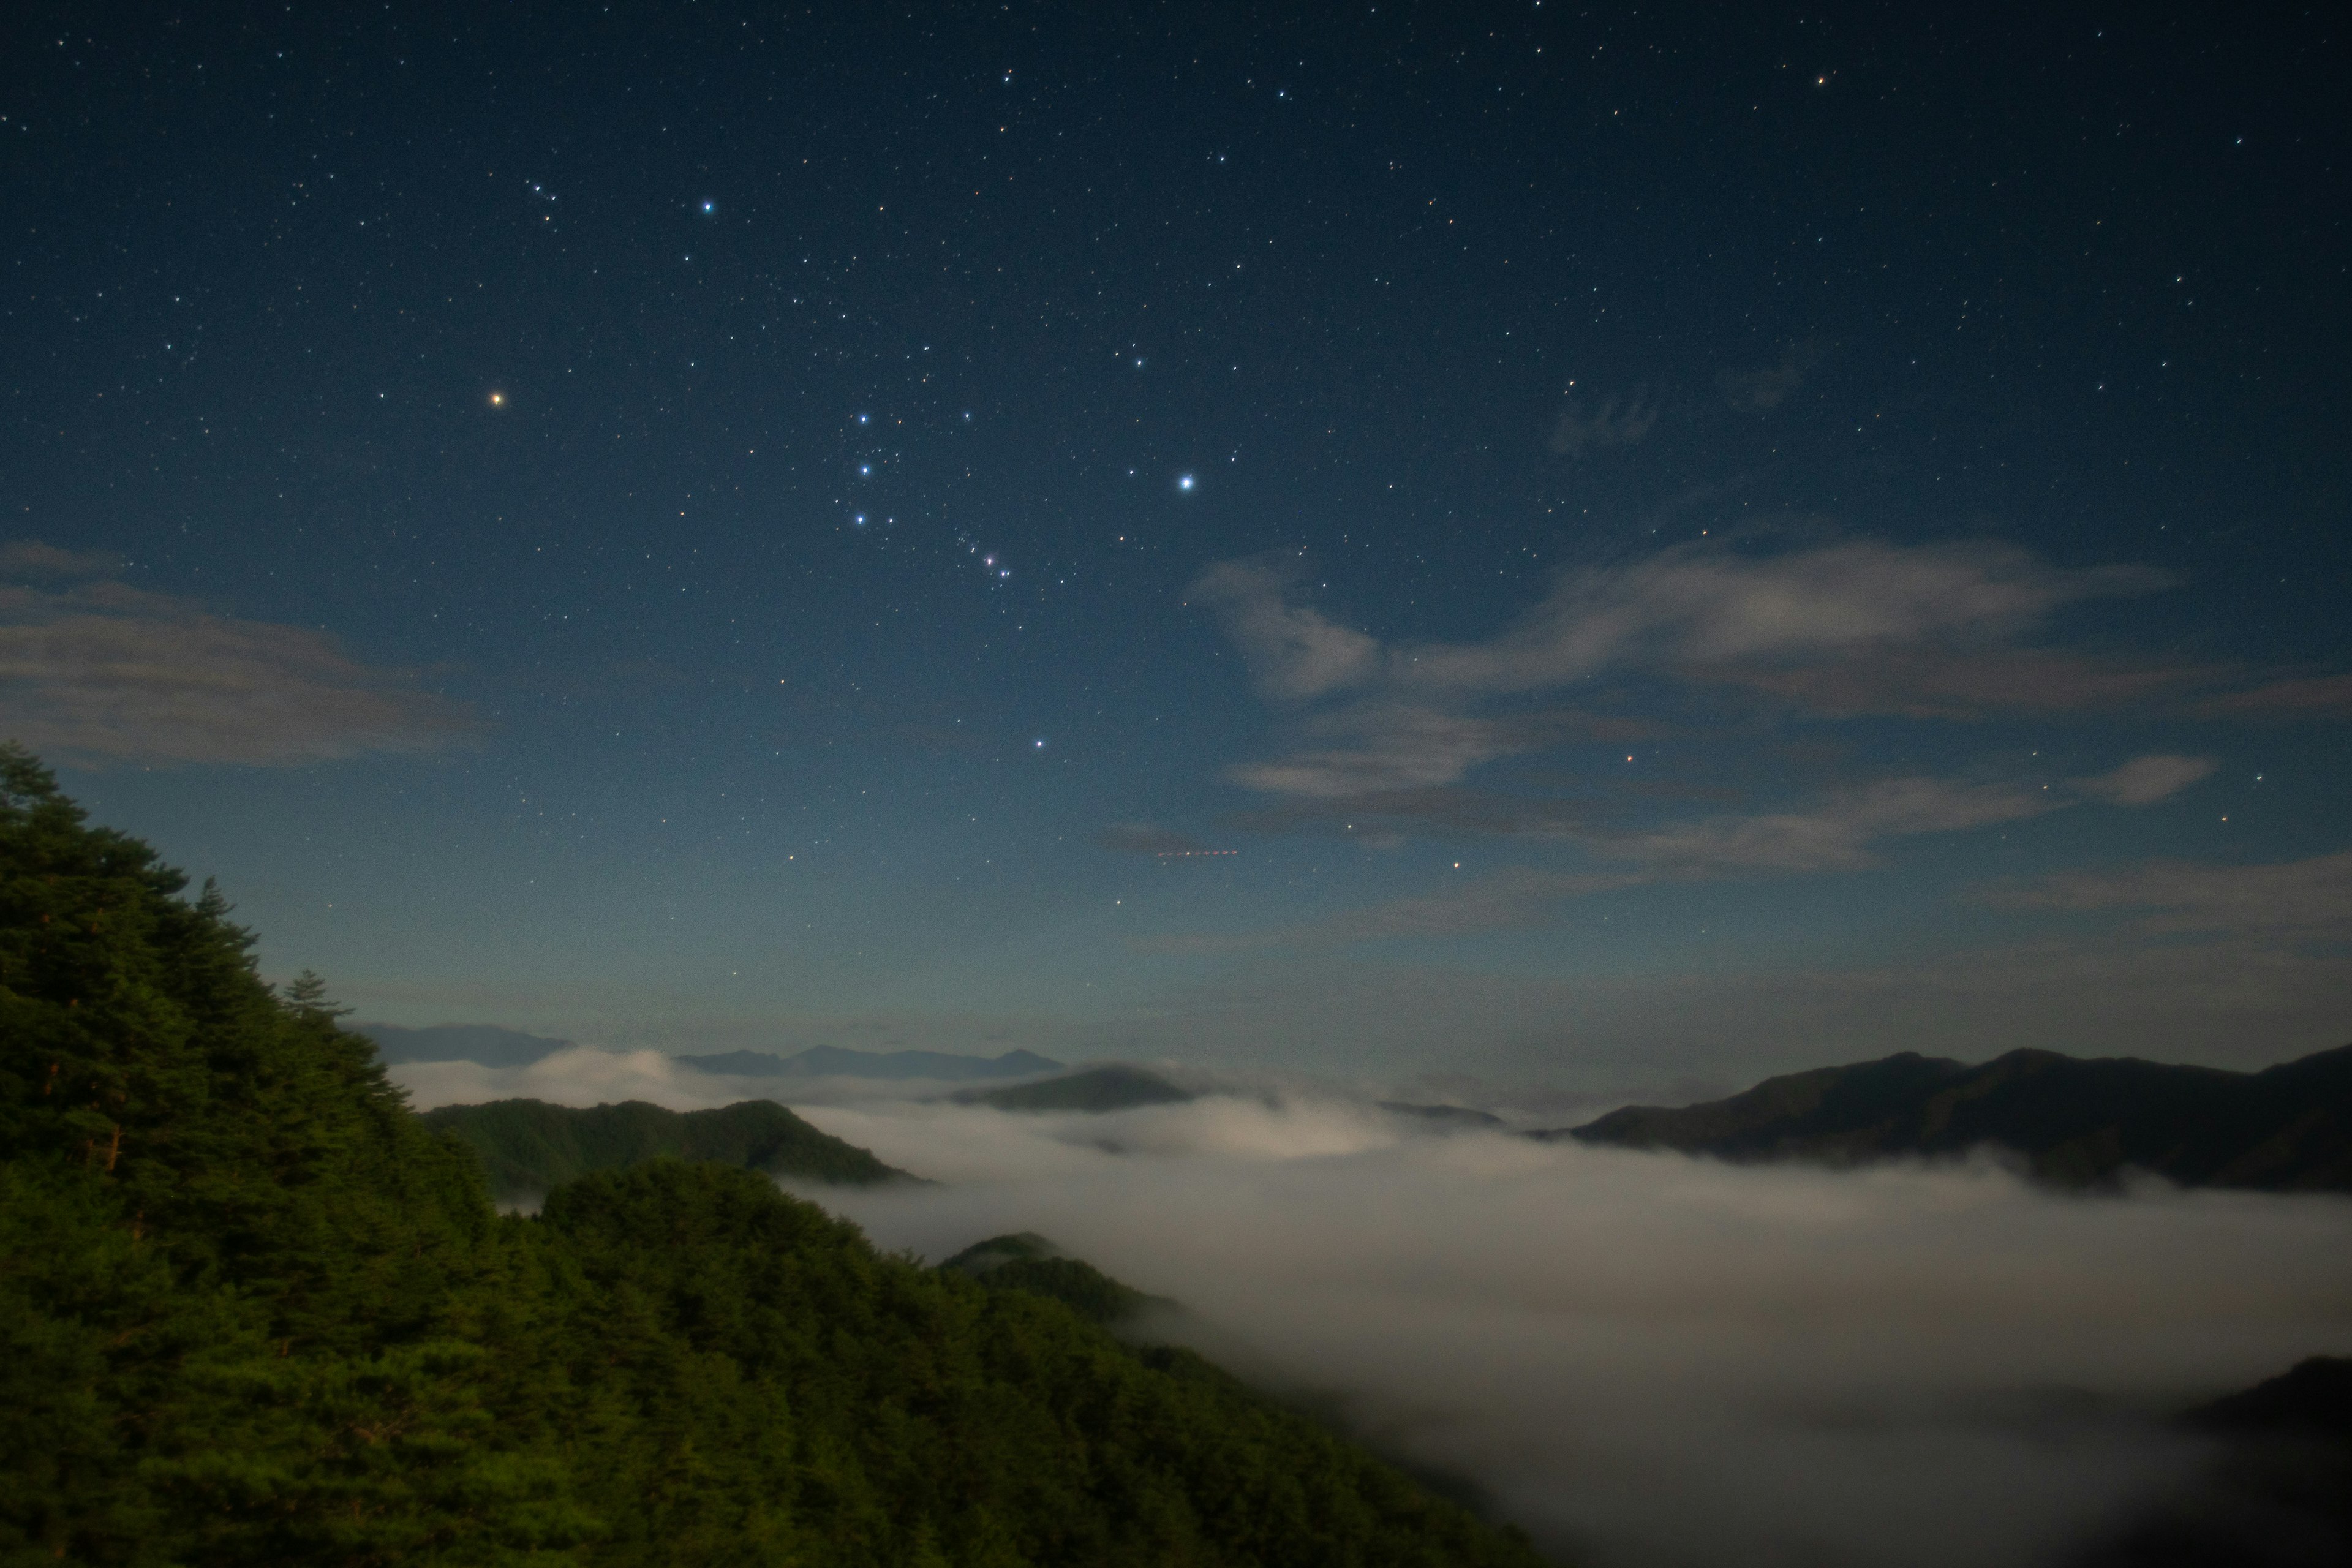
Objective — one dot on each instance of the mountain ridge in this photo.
(2077, 1122)
(529, 1147)
(837, 1061)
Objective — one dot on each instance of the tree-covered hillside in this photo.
(252, 1311)
(528, 1146)
(1028, 1261)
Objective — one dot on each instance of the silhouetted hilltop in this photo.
(832, 1061)
(483, 1043)
(2074, 1122)
(1090, 1089)
(529, 1147)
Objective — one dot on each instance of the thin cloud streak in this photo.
(2311, 896)
(103, 673)
(1843, 629)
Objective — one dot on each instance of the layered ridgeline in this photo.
(252, 1311)
(527, 1147)
(1112, 1088)
(832, 1061)
(2074, 1122)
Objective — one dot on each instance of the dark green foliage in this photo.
(529, 1146)
(252, 1311)
(1028, 1261)
(1094, 1089)
(2076, 1123)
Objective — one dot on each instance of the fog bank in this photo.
(1655, 1360)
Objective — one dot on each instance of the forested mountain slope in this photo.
(528, 1146)
(252, 1311)
(2074, 1122)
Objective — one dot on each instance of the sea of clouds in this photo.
(1644, 1359)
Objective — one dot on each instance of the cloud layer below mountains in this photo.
(1657, 1360)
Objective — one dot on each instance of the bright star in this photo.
(497, 400)
(709, 206)
(1184, 482)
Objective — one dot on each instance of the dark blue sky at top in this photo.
(700, 525)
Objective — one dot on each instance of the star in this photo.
(1184, 482)
(497, 400)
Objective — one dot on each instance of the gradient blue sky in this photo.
(1653, 548)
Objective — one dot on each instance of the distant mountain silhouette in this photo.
(483, 1043)
(530, 1147)
(832, 1061)
(1115, 1088)
(2074, 1122)
(1445, 1118)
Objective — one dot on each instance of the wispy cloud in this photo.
(1761, 391)
(29, 558)
(1967, 683)
(1843, 629)
(1294, 652)
(1613, 422)
(1836, 833)
(2311, 895)
(1514, 897)
(1696, 606)
(2299, 696)
(103, 673)
(1145, 839)
(1387, 746)
(2144, 781)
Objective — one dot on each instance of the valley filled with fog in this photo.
(1644, 1357)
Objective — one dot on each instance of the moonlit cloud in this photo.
(2299, 696)
(2311, 895)
(1835, 835)
(30, 558)
(1697, 605)
(2144, 781)
(1145, 839)
(1762, 391)
(1850, 627)
(1579, 428)
(103, 673)
(1294, 652)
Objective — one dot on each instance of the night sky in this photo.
(1514, 545)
